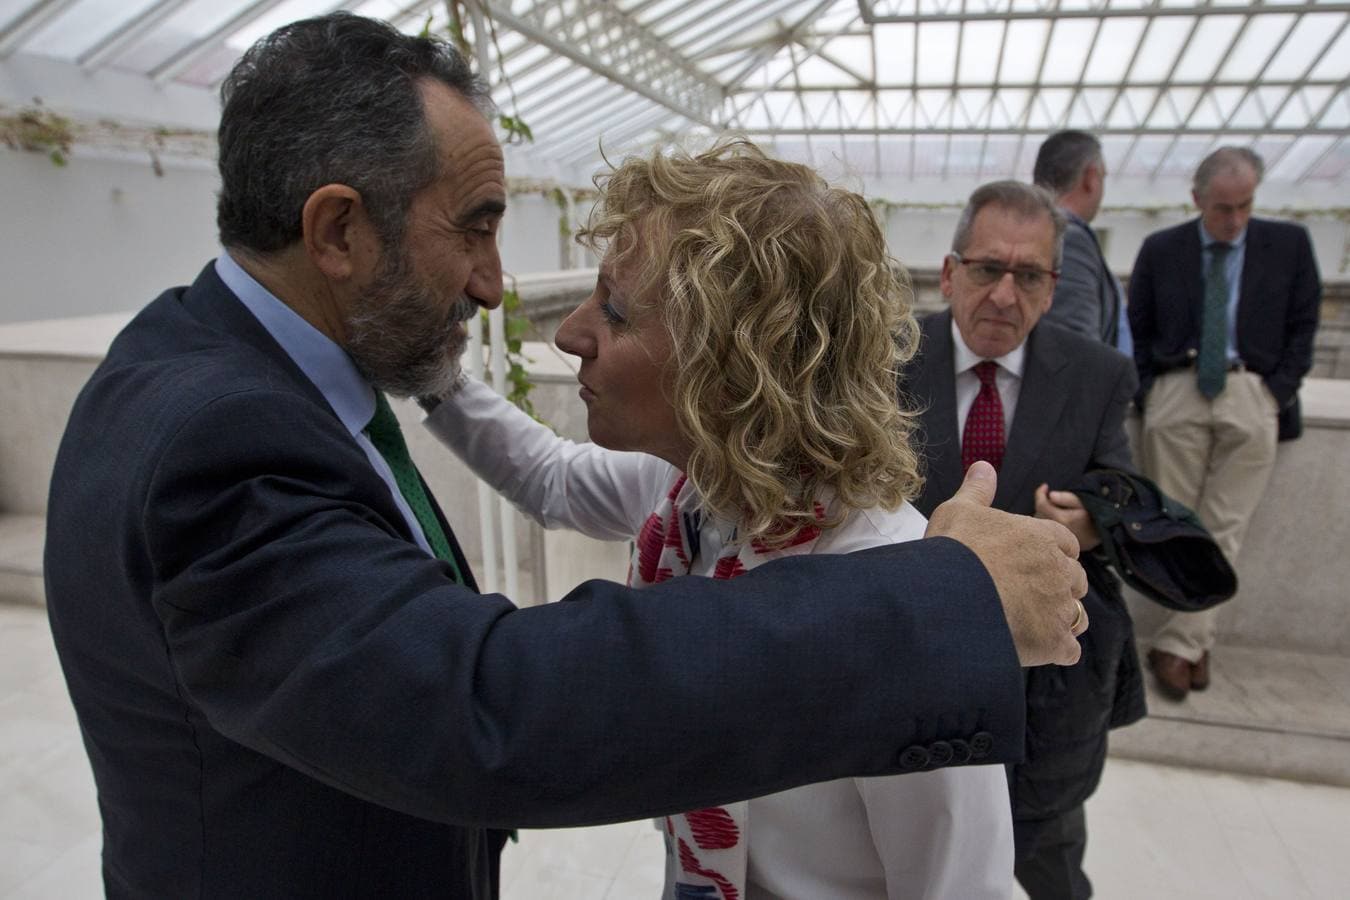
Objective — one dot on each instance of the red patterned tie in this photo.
(983, 437)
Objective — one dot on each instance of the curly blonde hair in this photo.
(789, 323)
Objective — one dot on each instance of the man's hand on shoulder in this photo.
(1033, 563)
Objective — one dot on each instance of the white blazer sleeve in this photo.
(602, 493)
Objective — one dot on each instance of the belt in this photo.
(1189, 362)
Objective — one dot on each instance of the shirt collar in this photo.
(966, 359)
(324, 363)
(1206, 239)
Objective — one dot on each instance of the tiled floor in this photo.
(1156, 831)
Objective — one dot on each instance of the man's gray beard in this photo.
(397, 343)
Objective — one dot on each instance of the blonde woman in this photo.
(743, 340)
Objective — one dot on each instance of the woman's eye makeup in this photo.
(611, 313)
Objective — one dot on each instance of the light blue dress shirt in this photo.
(1232, 270)
(326, 365)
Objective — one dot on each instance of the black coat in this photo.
(1069, 420)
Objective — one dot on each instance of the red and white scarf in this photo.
(709, 846)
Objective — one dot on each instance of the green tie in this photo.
(387, 437)
(1212, 366)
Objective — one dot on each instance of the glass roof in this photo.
(890, 88)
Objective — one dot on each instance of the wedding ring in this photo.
(1079, 620)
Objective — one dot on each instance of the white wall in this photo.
(98, 235)
(102, 234)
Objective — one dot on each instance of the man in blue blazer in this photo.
(286, 681)
(1223, 310)
(1061, 401)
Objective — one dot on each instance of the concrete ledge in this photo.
(1267, 712)
(21, 541)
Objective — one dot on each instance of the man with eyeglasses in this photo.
(1044, 405)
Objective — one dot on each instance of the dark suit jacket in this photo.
(1086, 297)
(1069, 420)
(282, 696)
(1276, 313)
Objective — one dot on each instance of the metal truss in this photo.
(907, 12)
(1160, 78)
(28, 22)
(605, 40)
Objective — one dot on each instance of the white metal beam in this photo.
(976, 131)
(1036, 90)
(1311, 67)
(186, 56)
(1162, 91)
(629, 54)
(1104, 12)
(1207, 93)
(29, 22)
(770, 47)
(129, 33)
(590, 146)
(954, 86)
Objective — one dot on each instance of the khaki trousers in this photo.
(1216, 457)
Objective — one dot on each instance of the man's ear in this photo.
(945, 279)
(1092, 178)
(338, 235)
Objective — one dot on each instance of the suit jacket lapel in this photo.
(211, 300)
(1191, 265)
(1039, 405)
(1255, 250)
(934, 387)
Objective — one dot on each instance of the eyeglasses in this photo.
(1028, 280)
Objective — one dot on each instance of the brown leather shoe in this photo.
(1200, 673)
(1173, 673)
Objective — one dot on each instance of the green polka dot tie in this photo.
(1212, 366)
(387, 437)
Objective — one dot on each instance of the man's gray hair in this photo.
(1062, 158)
(1024, 199)
(1227, 159)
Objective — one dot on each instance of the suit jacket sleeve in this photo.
(306, 628)
(1305, 294)
(1112, 448)
(1077, 302)
(602, 493)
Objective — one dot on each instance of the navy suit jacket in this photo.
(1276, 313)
(283, 696)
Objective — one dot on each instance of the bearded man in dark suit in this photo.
(286, 681)
(1223, 310)
(994, 380)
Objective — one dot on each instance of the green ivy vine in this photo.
(36, 129)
